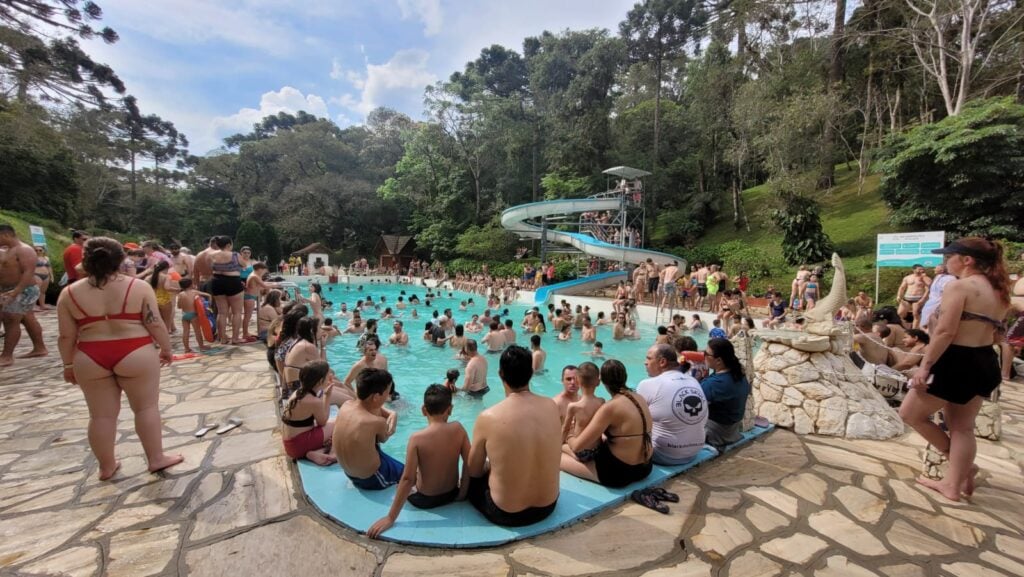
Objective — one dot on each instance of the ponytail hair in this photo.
(988, 259)
(613, 376)
(159, 267)
(310, 375)
(723, 350)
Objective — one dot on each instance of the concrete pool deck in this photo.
(784, 505)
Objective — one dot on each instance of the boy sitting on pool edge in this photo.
(432, 455)
(361, 427)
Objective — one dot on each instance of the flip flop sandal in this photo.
(648, 500)
(663, 495)
(231, 424)
(205, 430)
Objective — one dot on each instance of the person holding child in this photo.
(614, 449)
(431, 461)
(361, 427)
(305, 420)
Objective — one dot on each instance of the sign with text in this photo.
(905, 249)
(38, 238)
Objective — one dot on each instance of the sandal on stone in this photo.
(648, 500)
(663, 495)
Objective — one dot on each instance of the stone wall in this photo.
(818, 391)
(744, 346)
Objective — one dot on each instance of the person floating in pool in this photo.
(360, 429)
(516, 451)
(431, 461)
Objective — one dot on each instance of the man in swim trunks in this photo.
(653, 280)
(18, 295)
(516, 453)
(359, 430)
(570, 391)
(912, 292)
(202, 265)
(700, 279)
(668, 283)
(475, 383)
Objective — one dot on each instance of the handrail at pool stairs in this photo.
(518, 220)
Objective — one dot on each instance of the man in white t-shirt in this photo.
(678, 407)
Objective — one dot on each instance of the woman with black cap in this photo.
(960, 365)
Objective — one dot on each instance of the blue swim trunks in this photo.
(389, 473)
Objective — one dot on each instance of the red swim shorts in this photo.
(299, 445)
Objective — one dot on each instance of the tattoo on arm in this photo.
(147, 315)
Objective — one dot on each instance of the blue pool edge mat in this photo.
(459, 525)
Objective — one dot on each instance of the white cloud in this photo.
(187, 22)
(406, 72)
(288, 99)
(428, 12)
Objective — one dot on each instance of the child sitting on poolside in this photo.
(189, 318)
(361, 427)
(579, 413)
(432, 460)
(450, 378)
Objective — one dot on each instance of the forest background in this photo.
(776, 132)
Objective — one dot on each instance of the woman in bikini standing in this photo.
(254, 287)
(227, 288)
(960, 366)
(621, 432)
(44, 274)
(108, 322)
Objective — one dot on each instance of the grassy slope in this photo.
(850, 219)
(57, 236)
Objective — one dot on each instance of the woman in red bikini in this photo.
(960, 365)
(108, 322)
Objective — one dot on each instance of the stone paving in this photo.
(784, 506)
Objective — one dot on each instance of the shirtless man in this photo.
(202, 265)
(653, 279)
(914, 343)
(912, 293)
(180, 261)
(570, 391)
(701, 282)
(668, 285)
(539, 355)
(495, 338)
(371, 360)
(399, 337)
(18, 295)
(516, 452)
(639, 283)
(359, 430)
(475, 383)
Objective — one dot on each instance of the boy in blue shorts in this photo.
(361, 427)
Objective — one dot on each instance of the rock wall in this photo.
(744, 346)
(818, 391)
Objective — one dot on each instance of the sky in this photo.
(215, 67)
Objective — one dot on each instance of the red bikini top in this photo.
(121, 316)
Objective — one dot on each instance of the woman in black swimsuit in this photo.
(960, 365)
(621, 428)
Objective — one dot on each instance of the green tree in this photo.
(804, 240)
(962, 174)
(36, 170)
(487, 242)
(273, 245)
(251, 234)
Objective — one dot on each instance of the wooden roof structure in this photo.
(394, 249)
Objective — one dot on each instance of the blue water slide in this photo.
(519, 220)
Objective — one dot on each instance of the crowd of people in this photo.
(120, 300)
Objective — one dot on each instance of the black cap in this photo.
(956, 247)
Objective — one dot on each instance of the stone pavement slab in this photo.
(784, 506)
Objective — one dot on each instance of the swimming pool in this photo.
(420, 364)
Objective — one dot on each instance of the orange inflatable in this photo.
(205, 319)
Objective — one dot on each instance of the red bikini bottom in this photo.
(108, 353)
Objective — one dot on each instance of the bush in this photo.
(738, 256)
(961, 174)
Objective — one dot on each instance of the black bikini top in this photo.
(643, 419)
(307, 422)
(1000, 326)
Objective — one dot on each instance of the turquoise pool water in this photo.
(419, 364)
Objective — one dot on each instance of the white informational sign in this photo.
(905, 249)
(38, 238)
